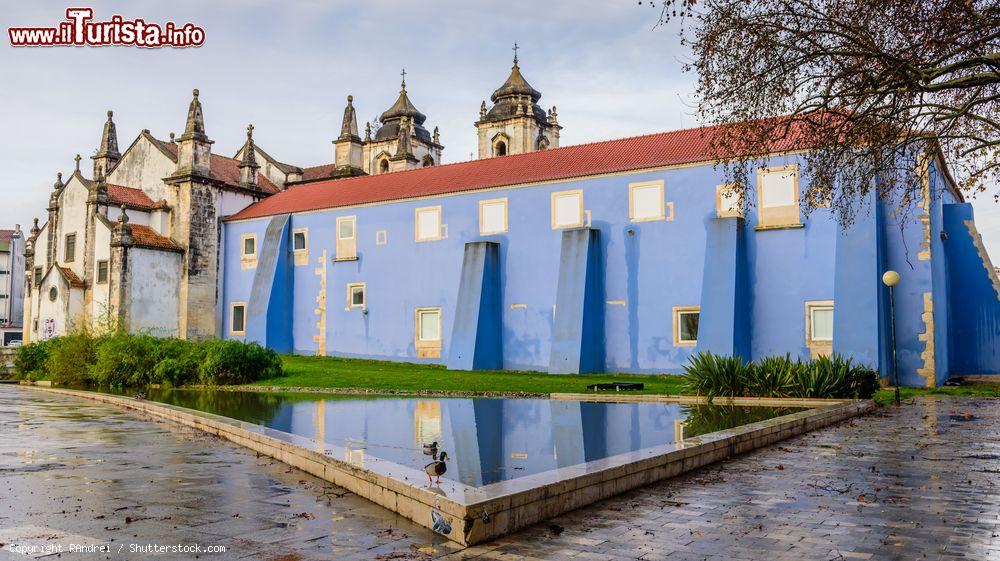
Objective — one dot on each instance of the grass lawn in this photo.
(333, 372)
(971, 390)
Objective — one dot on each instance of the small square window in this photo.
(429, 325)
(102, 272)
(727, 201)
(356, 295)
(492, 217)
(820, 318)
(428, 223)
(70, 253)
(381, 237)
(686, 325)
(646, 201)
(238, 319)
(299, 241)
(778, 197)
(567, 209)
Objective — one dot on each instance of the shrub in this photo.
(232, 362)
(713, 375)
(125, 360)
(70, 358)
(29, 360)
(774, 376)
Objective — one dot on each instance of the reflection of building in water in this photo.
(679, 430)
(319, 422)
(427, 422)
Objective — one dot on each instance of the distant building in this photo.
(11, 283)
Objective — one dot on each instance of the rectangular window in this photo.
(70, 248)
(427, 223)
(429, 325)
(778, 197)
(38, 276)
(102, 272)
(238, 319)
(299, 240)
(567, 209)
(819, 327)
(356, 295)
(300, 246)
(727, 201)
(248, 251)
(645, 201)
(347, 238)
(492, 217)
(686, 325)
(381, 237)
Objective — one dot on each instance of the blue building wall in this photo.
(646, 269)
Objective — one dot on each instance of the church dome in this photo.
(515, 86)
(392, 116)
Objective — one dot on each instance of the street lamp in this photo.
(890, 279)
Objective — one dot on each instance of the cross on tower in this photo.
(403, 74)
(77, 159)
(250, 131)
(515, 52)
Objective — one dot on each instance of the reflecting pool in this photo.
(487, 440)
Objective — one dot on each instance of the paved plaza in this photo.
(922, 482)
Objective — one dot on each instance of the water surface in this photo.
(487, 440)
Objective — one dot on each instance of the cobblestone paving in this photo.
(922, 482)
(98, 473)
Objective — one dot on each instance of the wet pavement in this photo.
(922, 482)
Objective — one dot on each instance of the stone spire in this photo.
(195, 125)
(194, 149)
(35, 230)
(403, 149)
(248, 166)
(349, 126)
(59, 182)
(107, 153)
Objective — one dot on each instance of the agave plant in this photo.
(713, 375)
(825, 377)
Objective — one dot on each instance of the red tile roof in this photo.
(6, 234)
(144, 236)
(318, 172)
(71, 277)
(132, 198)
(613, 156)
(226, 170)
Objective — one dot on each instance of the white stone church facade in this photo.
(137, 243)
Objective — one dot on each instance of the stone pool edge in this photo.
(509, 513)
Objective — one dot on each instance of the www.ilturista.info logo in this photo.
(79, 30)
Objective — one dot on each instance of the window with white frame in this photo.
(238, 318)
(427, 223)
(248, 251)
(429, 325)
(778, 197)
(381, 237)
(300, 240)
(686, 325)
(347, 238)
(492, 216)
(356, 295)
(567, 209)
(819, 327)
(646, 202)
(727, 201)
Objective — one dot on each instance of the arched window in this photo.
(428, 161)
(543, 143)
(383, 165)
(500, 149)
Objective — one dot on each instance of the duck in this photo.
(437, 468)
(140, 395)
(431, 449)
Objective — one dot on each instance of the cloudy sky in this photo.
(288, 67)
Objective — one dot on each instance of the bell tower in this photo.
(516, 124)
